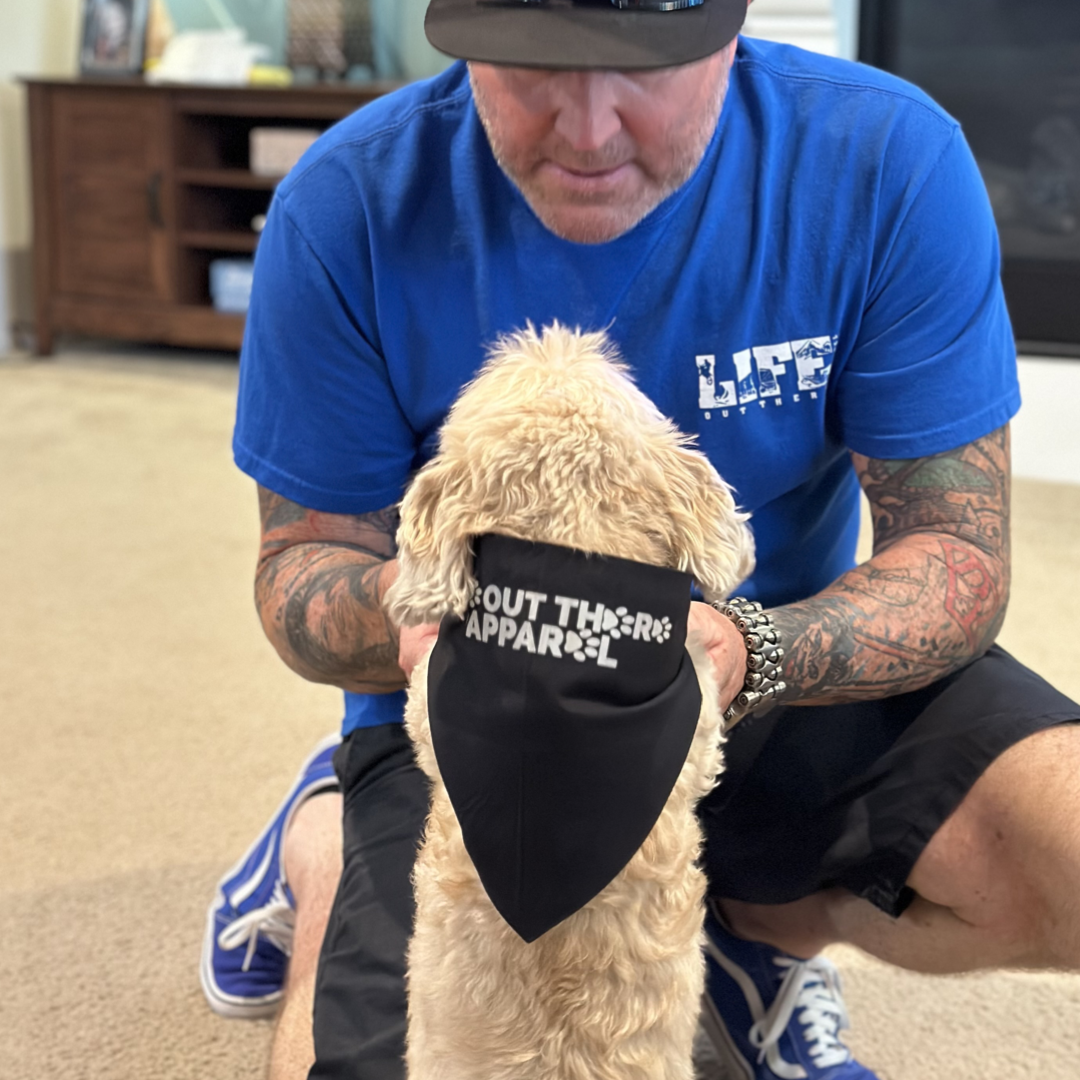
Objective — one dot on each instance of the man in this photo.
(798, 261)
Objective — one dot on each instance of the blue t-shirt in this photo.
(828, 280)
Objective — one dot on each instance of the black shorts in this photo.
(811, 798)
(815, 797)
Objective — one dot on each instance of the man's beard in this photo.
(609, 221)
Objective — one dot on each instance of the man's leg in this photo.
(1006, 866)
(360, 1005)
(936, 830)
(312, 848)
(319, 910)
(997, 886)
(251, 920)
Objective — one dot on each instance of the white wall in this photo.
(1044, 442)
(826, 26)
(400, 41)
(847, 25)
(5, 298)
(37, 37)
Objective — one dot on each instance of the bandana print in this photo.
(562, 710)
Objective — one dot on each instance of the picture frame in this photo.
(113, 38)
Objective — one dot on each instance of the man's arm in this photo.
(932, 597)
(319, 589)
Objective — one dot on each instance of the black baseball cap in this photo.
(583, 34)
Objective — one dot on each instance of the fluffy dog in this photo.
(553, 442)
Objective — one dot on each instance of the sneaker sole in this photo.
(737, 1067)
(229, 1005)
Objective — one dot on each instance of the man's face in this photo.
(593, 152)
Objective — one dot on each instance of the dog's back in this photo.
(552, 442)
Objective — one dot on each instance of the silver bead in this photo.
(763, 655)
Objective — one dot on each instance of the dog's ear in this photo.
(708, 534)
(435, 556)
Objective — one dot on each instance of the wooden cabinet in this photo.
(138, 188)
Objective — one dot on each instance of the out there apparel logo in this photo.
(558, 626)
(763, 374)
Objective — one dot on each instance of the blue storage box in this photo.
(230, 284)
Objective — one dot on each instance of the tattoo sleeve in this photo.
(319, 588)
(933, 595)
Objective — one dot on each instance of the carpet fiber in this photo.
(147, 730)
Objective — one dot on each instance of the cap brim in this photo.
(581, 36)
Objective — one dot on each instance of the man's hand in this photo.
(725, 646)
(413, 644)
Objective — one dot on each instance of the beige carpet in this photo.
(147, 729)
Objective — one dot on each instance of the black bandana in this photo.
(562, 710)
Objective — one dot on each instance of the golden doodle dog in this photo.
(553, 443)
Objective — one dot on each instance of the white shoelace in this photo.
(275, 921)
(813, 987)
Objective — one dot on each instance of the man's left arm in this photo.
(930, 599)
(933, 595)
(934, 352)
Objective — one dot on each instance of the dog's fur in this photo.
(553, 442)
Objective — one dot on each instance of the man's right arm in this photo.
(319, 591)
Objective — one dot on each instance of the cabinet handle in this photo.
(153, 201)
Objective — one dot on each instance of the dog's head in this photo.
(553, 442)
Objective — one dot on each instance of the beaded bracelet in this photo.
(763, 655)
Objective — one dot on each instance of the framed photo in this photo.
(113, 37)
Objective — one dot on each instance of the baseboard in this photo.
(16, 297)
(1067, 349)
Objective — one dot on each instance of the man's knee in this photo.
(312, 849)
(1007, 861)
(312, 853)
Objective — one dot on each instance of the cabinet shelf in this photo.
(227, 178)
(220, 241)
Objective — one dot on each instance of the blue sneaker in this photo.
(771, 1016)
(250, 924)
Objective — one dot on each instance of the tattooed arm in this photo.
(319, 588)
(933, 595)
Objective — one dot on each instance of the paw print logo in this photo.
(661, 629)
(474, 600)
(618, 622)
(582, 647)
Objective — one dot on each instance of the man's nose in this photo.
(586, 102)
